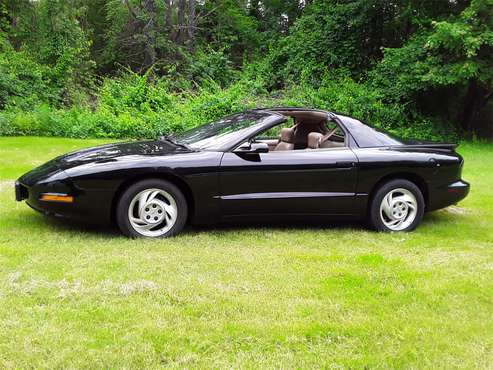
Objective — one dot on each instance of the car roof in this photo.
(363, 134)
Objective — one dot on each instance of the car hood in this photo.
(112, 151)
(100, 154)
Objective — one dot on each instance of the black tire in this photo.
(375, 217)
(122, 217)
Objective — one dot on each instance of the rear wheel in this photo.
(151, 208)
(398, 205)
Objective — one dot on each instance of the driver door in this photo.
(294, 182)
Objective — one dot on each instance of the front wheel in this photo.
(398, 205)
(151, 208)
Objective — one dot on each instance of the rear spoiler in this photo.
(433, 146)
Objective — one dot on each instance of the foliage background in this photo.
(137, 68)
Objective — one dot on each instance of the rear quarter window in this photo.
(367, 136)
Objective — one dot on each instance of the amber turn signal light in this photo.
(52, 197)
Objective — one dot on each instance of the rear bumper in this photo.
(447, 195)
(459, 189)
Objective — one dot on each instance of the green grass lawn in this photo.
(291, 297)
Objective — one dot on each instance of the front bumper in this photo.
(21, 192)
(90, 207)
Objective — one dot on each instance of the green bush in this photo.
(340, 93)
(140, 106)
(131, 106)
(23, 82)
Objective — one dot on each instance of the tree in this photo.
(149, 31)
(351, 35)
(461, 54)
(168, 11)
(191, 25)
(454, 54)
(181, 36)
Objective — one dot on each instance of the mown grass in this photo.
(283, 297)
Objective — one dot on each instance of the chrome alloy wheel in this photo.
(152, 212)
(398, 209)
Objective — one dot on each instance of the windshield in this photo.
(216, 134)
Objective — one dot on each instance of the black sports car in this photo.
(262, 164)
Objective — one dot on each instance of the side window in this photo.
(300, 138)
(274, 132)
(339, 136)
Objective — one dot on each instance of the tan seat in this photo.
(303, 129)
(314, 140)
(286, 140)
(317, 140)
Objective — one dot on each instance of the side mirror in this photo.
(253, 148)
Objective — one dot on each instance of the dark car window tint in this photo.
(367, 136)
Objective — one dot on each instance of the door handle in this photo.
(345, 164)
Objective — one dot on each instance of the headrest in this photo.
(287, 134)
(314, 140)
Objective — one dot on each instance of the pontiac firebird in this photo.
(261, 165)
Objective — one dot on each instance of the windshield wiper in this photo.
(169, 137)
(172, 140)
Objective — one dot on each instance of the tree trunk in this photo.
(149, 31)
(476, 98)
(191, 25)
(181, 21)
(168, 11)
